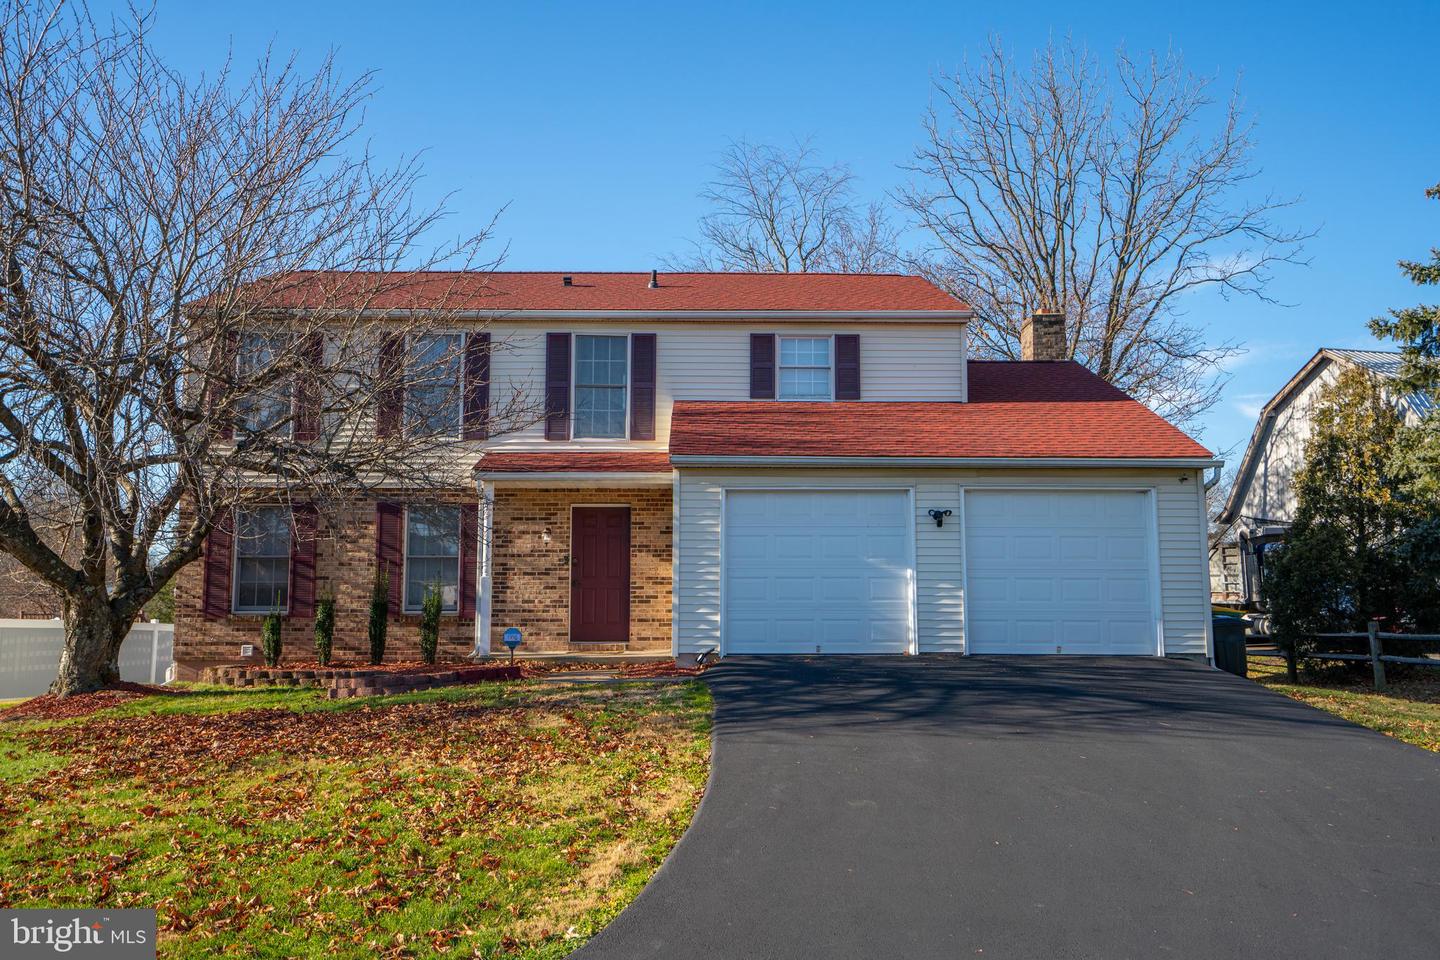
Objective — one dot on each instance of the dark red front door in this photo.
(600, 575)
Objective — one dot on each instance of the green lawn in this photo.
(505, 819)
(1409, 710)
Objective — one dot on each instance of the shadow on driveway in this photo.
(1040, 807)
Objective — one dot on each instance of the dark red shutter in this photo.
(221, 386)
(469, 525)
(390, 549)
(477, 385)
(307, 388)
(847, 366)
(302, 560)
(642, 386)
(557, 386)
(215, 599)
(762, 366)
(390, 392)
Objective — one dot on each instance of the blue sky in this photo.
(597, 123)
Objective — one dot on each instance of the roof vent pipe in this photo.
(654, 279)
(567, 280)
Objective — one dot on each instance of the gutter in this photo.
(694, 460)
(771, 316)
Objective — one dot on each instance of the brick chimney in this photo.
(1042, 337)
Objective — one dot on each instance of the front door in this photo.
(600, 575)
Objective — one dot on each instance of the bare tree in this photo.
(204, 300)
(779, 211)
(1106, 197)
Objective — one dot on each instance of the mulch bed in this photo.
(51, 707)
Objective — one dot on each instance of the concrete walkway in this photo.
(1033, 808)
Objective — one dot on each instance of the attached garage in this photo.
(1061, 571)
(818, 571)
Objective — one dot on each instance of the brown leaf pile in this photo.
(51, 707)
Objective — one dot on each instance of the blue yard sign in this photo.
(511, 639)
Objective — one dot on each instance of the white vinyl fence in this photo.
(30, 654)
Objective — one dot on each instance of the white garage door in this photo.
(1059, 572)
(817, 571)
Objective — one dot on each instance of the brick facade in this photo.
(531, 565)
(531, 584)
(344, 562)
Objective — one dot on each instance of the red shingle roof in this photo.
(575, 462)
(505, 291)
(1016, 409)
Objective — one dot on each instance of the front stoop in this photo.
(342, 683)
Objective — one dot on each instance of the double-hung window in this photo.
(600, 386)
(805, 368)
(262, 560)
(432, 390)
(432, 556)
(267, 402)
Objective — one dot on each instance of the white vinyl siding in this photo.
(939, 601)
(710, 360)
(940, 596)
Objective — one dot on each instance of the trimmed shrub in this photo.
(270, 639)
(430, 609)
(324, 627)
(379, 615)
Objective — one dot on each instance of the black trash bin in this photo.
(1230, 653)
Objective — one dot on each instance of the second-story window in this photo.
(267, 404)
(804, 368)
(432, 389)
(600, 386)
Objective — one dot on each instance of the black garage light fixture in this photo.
(939, 517)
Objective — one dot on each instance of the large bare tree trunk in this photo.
(93, 634)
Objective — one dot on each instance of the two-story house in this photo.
(764, 464)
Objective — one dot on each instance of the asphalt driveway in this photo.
(1040, 808)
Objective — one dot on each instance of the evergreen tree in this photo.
(1417, 329)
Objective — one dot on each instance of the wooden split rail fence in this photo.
(1375, 655)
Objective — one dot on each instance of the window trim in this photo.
(405, 426)
(405, 608)
(575, 384)
(283, 610)
(780, 338)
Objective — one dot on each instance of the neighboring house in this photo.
(1262, 502)
(757, 464)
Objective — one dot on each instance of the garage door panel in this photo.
(1077, 591)
(1034, 590)
(817, 569)
(1059, 572)
(1080, 548)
